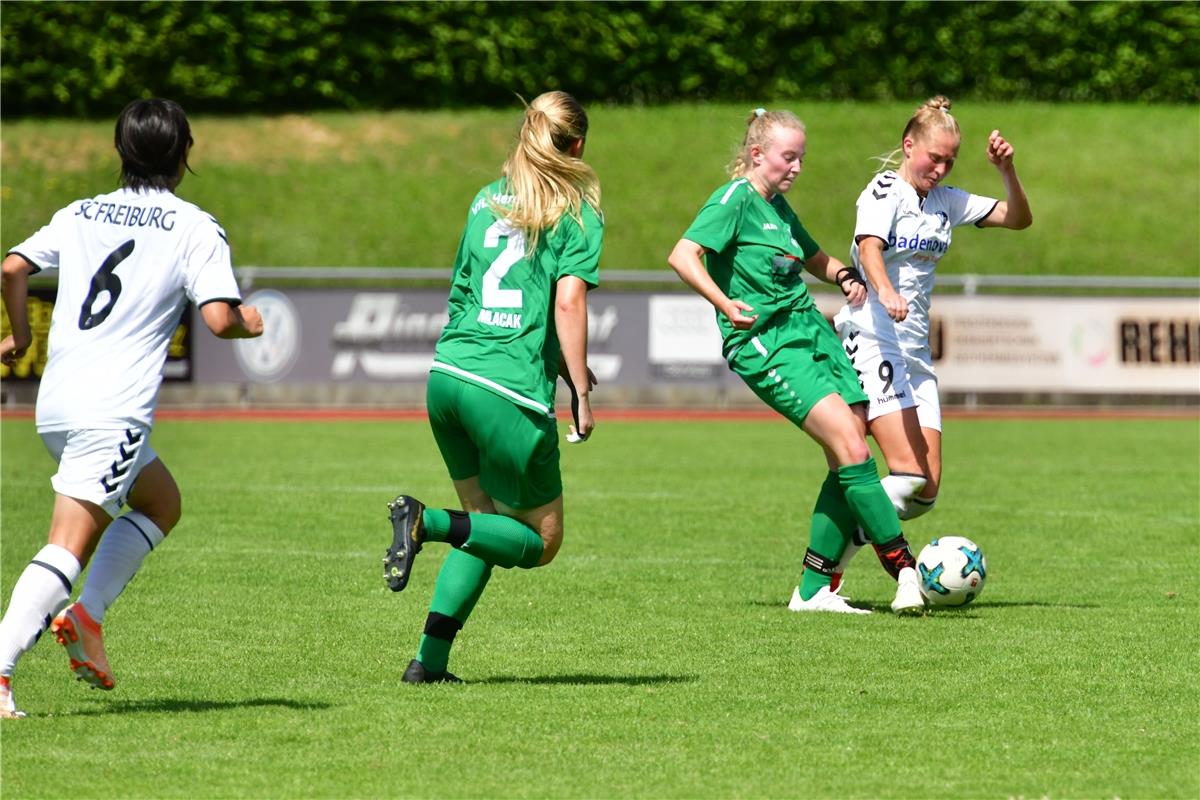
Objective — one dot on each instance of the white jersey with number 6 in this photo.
(128, 263)
(916, 234)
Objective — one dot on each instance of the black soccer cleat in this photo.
(407, 529)
(416, 674)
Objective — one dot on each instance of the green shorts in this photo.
(794, 362)
(513, 449)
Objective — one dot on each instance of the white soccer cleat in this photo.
(8, 707)
(909, 602)
(823, 600)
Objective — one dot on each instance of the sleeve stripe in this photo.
(233, 301)
(36, 267)
(988, 214)
(729, 192)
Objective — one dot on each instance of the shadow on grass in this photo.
(589, 680)
(168, 706)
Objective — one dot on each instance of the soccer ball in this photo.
(952, 570)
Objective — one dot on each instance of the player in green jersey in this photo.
(518, 320)
(744, 254)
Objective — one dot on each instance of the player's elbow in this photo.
(682, 255)
(570, 297)
(220, 318)
(569, 305)
(1018, 219)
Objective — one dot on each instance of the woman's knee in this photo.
(165, 511)
(550, 547)
(156, 495)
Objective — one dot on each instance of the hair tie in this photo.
(758, 112)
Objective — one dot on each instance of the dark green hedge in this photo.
(83, 59)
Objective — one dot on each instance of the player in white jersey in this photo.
(128, 261)
(905, 219)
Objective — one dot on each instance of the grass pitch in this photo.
(258, 653)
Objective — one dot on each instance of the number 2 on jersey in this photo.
(493, 295)
(105, 280)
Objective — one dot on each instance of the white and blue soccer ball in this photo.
(952, 570)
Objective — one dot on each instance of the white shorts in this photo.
(892, 378)
(881, 369)
(924, 383)
(99, 466)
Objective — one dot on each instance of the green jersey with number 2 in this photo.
(501, 332)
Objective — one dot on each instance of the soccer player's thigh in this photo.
(459, 451)
(519, 457)
(96, 470)
(882, 374)
(795, 364)
(924, 384)
(444, 404)
(156, 495)
(891, 414)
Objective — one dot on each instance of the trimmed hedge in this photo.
(89, 59)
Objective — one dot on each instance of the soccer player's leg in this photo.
(155, 508)
(883, 378)
(513, 453)
(504, 463)
(929, 415)
(838, 430)
(44, 588)
(828, 538)
(843, 435)
(46, 585)
(132, 471)
(779, 366)
(899, 437)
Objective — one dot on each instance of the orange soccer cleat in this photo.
(80, 634)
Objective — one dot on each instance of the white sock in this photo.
(902, 489)
(43, 590)
(124, 545)
(857, 540)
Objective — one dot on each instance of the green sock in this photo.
(459, 585)
(869, 502)
(503, 541)
(832, 524)
(435, 523)
(499, 540)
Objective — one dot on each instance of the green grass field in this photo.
(258, 654)
(1113, 187)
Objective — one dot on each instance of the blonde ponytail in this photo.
(545, 181)
(760, 127)
(933, 113)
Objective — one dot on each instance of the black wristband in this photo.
(849, 275)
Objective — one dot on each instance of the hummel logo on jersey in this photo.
(884, 183)
(770, 226)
